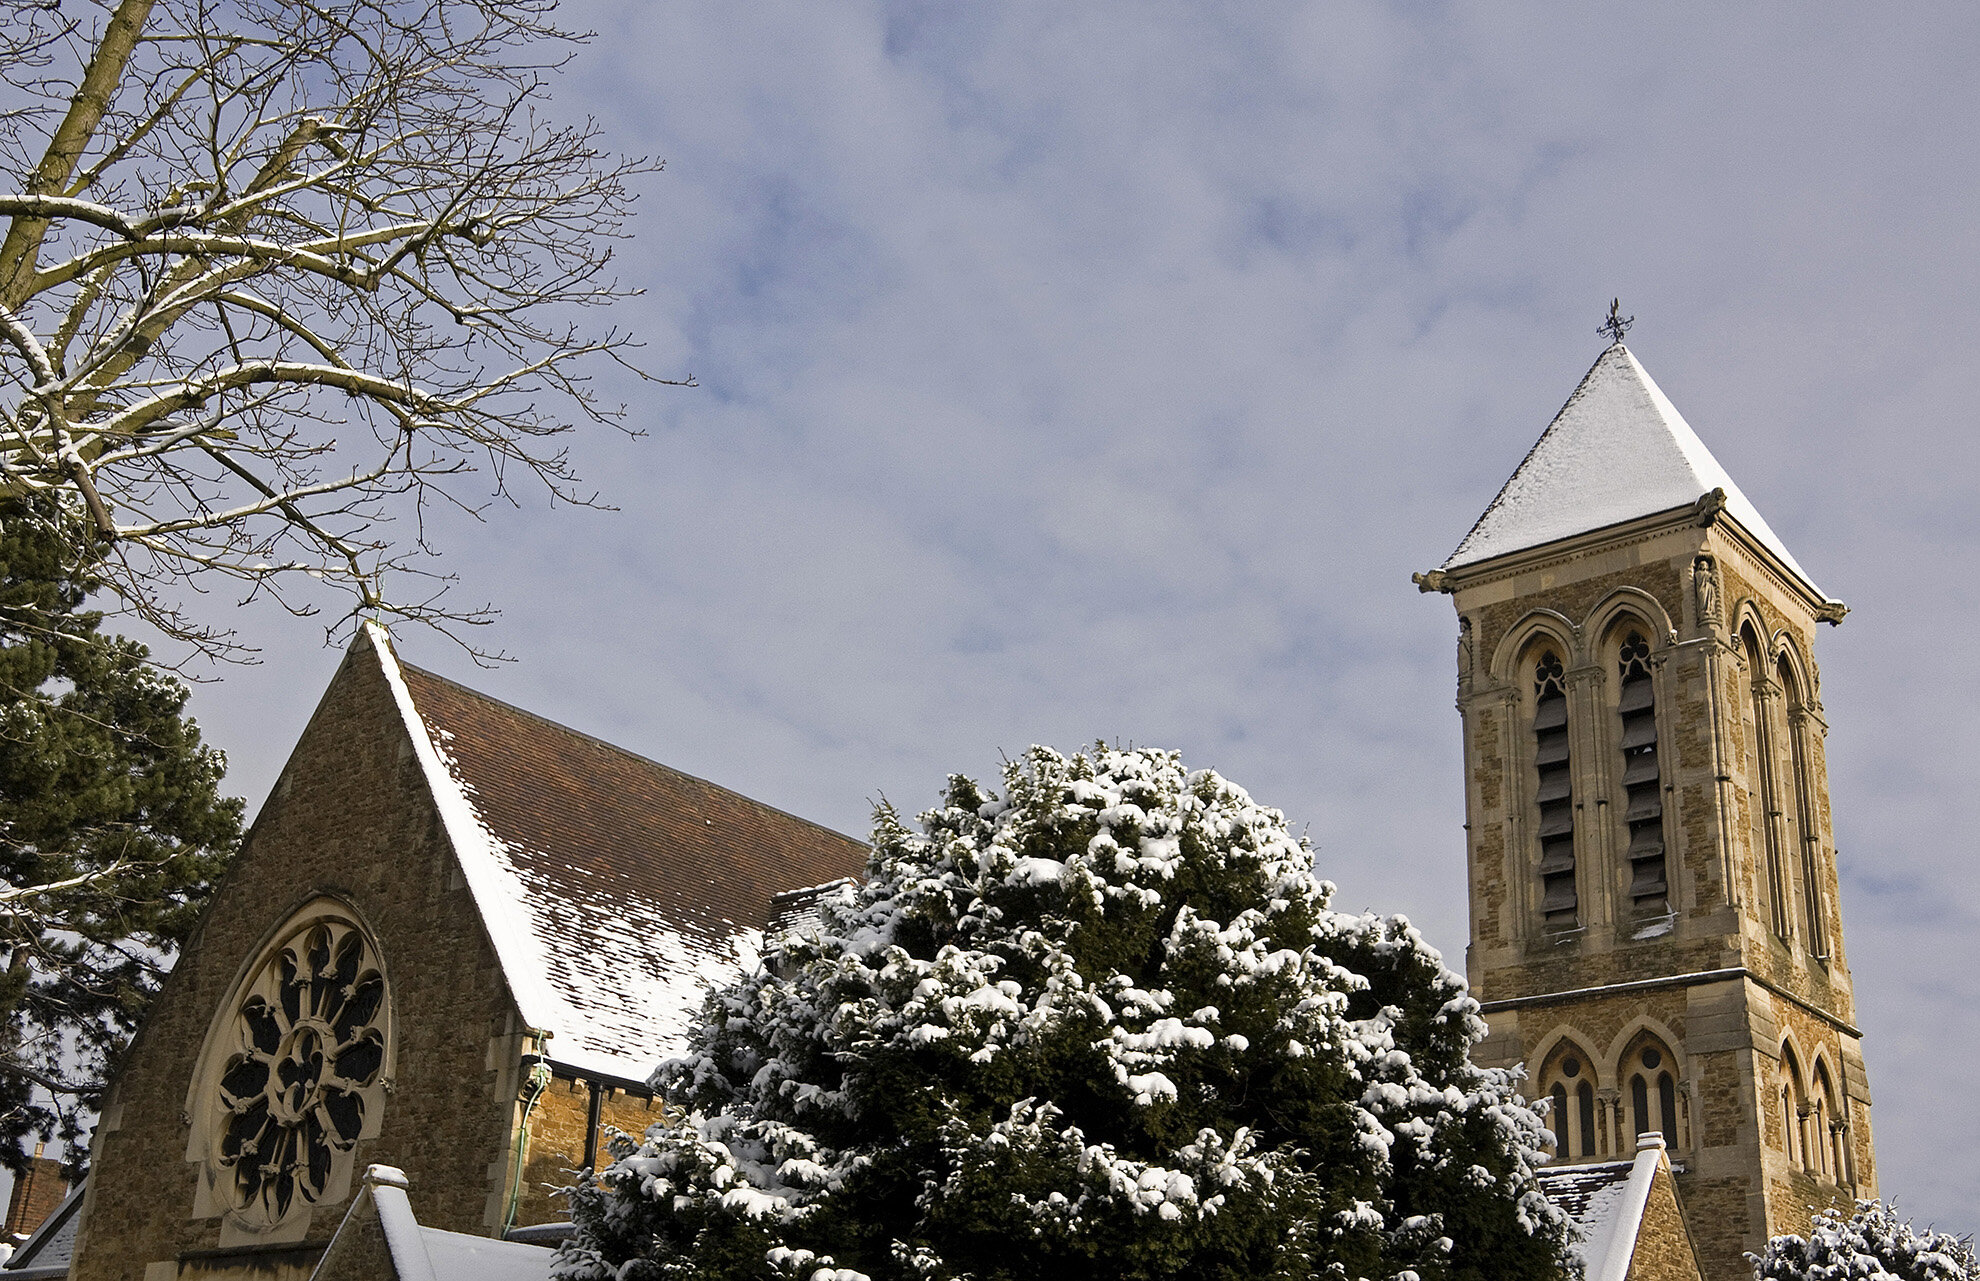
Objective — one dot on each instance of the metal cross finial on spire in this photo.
(1617, 324)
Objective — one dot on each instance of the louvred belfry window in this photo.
(1643, 790)
(1555, 794)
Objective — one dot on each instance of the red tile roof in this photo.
(635, 883)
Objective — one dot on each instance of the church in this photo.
(459, 937)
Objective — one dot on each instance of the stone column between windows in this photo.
(1592, 774)
(1717, 664)
(1609, 1104)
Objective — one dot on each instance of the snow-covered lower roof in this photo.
(415, 1252)
(614, 888)
(1606, 1202)
(1618, 450)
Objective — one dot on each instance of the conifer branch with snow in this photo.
(1873, 1244)
(1106, 1019)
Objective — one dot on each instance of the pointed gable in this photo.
(614, 888)
(1618, 450)
(1627, 1222)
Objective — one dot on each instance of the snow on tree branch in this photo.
(1106, 1020)
(275, 275)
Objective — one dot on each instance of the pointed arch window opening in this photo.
(1766, 794)
(1803, 1149)
(1572, 1115)
(1653, 1094)
(1560, 906)
(1643, 785)
(1807, 829)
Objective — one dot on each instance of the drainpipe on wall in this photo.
(534, 1084)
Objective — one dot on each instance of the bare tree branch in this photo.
(277, 273)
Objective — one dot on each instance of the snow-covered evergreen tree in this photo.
(1873, 1244)
(1107, 1020)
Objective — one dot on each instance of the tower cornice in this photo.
(1709, 512)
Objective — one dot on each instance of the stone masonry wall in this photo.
(556, 1147)
(1663, 1245)
(350, 817)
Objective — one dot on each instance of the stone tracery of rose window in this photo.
(305, 1067)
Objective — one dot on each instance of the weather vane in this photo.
(1617, 324)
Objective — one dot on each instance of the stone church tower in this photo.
(1655, 932)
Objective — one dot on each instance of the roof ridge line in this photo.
(622, 751)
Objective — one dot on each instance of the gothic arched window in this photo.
(1572, 1116)
(1769, 818)
(1794, 1112)
(1642, 778)
(1653, 1090)
(1807, 830)
(293, 1073)
(1559, 904)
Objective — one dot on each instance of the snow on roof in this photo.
(1617, 450)
(419, 1253)
(614, 889)
(1606, 1202)
(798, 911)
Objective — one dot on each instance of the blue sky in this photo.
(1105, 370)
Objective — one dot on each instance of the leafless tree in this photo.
(280, 273)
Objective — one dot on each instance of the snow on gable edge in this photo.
(1612, 1198)
(498, 894)
(640, 1023)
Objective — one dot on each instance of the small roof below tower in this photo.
(1618, 450)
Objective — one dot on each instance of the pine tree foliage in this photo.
(1106, 1020)
(112, 830)
(1873, 1244)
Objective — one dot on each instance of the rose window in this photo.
(304, 1069)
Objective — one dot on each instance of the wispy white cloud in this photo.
(1105, 369)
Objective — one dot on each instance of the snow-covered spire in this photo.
(1617, 451)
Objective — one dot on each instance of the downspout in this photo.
(534, 1084)
(593, 1115)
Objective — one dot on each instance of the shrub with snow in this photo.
(1871, 1245)
(1105, 1021)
